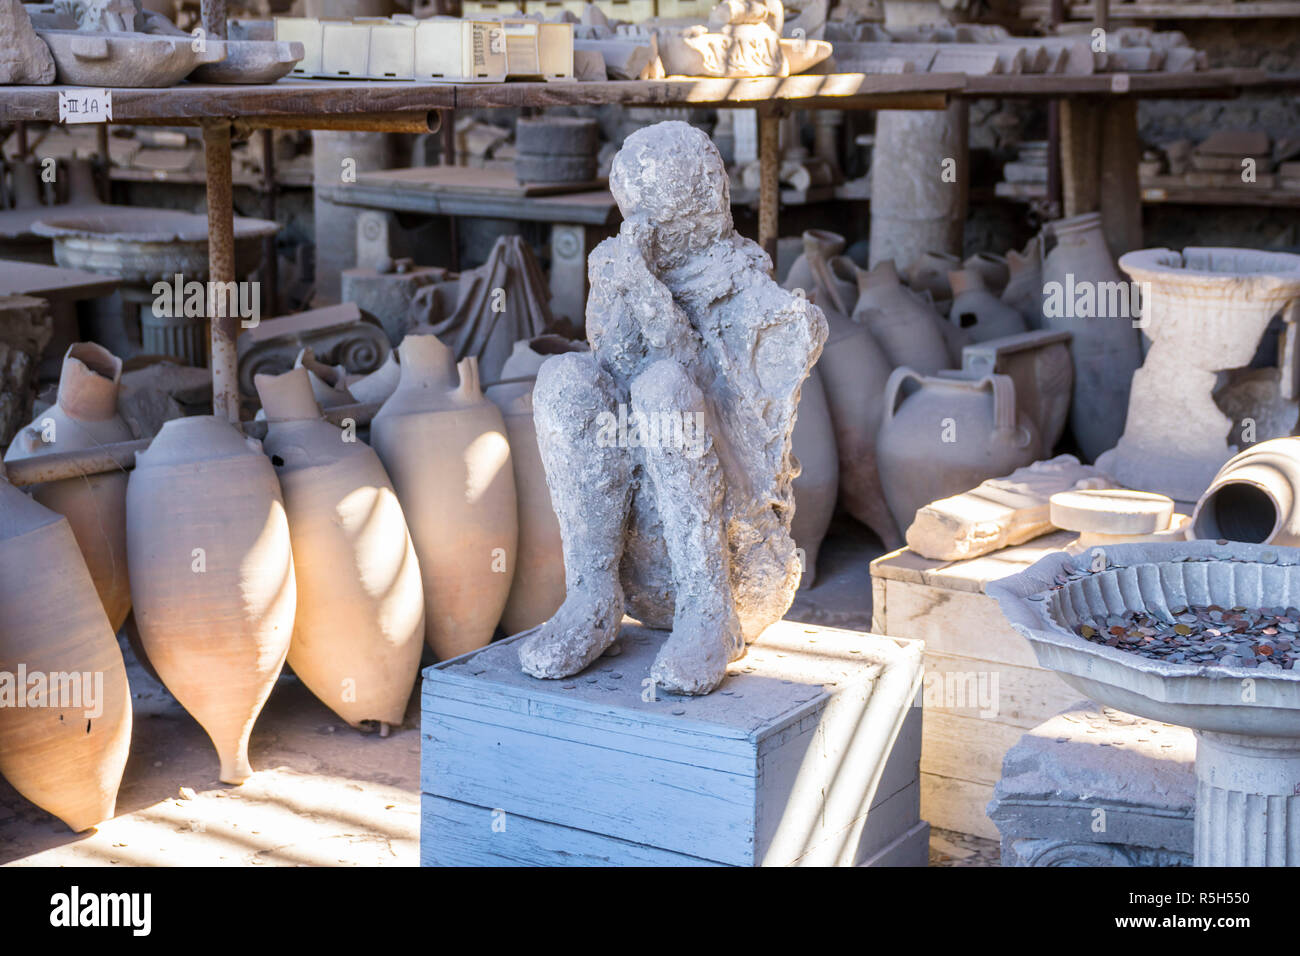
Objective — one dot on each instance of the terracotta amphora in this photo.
(1024, 289)
(445, 448)
(904, 324)
(992, 267)
(1106, 348)
(211, 576)
(537, 590)
(359, 627)
(817, 485)
(63, 741)
(86, 416)
(978, 312)
(929, 273)
(854, 370)
(944, 435)
(375, 387)
(820, 271)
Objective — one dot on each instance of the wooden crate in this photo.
(982, 686)
(808, 754)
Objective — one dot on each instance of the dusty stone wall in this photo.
(1272, 44)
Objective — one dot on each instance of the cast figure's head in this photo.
(669, 180)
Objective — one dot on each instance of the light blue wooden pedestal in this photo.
(789, 762)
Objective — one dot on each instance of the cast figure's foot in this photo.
(694, 658)
(582, 629)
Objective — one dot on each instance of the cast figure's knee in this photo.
(573, 392)
(666, 387)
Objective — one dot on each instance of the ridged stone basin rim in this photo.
(1247, 722)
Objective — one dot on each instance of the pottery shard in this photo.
(1001, 512)
(24, 57)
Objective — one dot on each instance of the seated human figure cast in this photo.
(667, 447)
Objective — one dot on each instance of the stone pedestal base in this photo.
(1247, 800)
(1096, 787)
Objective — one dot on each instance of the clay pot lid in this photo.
(130, 224)
(1111, 511)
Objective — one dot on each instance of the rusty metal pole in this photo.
(270, 200)
(448, 158)
(222, 355)
(213, 13)
(769, 191)
(105, 165)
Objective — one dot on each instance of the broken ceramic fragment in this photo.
(1001, 512)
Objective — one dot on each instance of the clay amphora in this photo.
(328, 382)
(67, 756)
(359, 627)
(211, 576)
(816, 487)
(445, 448)
(1024, 289)
(942, 436)
(905, 326)
(929, 273)
(978, 312)
(853, 371)
(822, 274)
(537, 590)
(1106, 349)
(86, 416)
(527, 355)
(375, 387)
(992, 268)
(1255, 497)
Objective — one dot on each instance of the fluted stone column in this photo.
(913, 209)
(1247, 800)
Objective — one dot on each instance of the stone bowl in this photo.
(1215, 301)
(251, 61)
(1046, 601)
(132, 60)
(146, 245)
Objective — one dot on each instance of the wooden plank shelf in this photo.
(284, 179)
(1244, 10)
(1155, 85)
(324, 104)
(320, 103)
(1179, 194)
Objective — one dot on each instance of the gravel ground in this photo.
(949, 848)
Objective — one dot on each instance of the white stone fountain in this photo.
(1246, 720)
(1205, 311)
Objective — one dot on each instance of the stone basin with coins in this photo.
(1246, 720)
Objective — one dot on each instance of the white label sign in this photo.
(1119, 83)
(85, 106)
